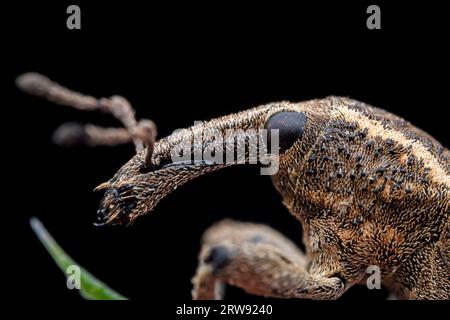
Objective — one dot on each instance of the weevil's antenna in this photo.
(141, 133)
(71, 134)
(41, 86)
(147, 132)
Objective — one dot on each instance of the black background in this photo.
(175, 65)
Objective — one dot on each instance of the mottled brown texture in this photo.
(368, 187)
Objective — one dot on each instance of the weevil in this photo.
(369, 188)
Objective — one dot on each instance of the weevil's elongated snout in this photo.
(137, 188)
(125, 200)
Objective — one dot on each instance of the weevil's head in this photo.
(138, 187)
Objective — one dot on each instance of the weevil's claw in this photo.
(117, 205)
(102, 186)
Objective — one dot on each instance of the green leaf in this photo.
(90, 287)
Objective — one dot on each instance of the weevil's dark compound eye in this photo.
(290, 126)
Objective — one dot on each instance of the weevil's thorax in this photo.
(364, 180)
(317, 175)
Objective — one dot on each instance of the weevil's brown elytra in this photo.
(368, 187)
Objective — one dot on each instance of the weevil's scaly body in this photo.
(368, 187)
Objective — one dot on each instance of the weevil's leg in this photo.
(206, 285)
(392, 296)
(259, 260)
